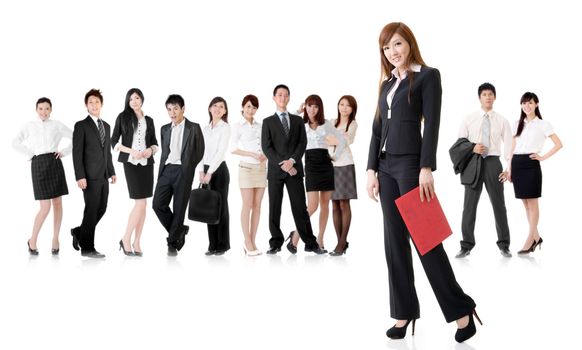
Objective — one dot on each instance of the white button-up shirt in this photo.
(40, 137)
(246, 137)
(216, 141)
(500, 132)
(532, 136)
(176, 136)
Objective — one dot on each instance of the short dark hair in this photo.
(487, 86)
(44, 100)
(281, 86)
(252, 99)
(93, 92)
(175, 100)
(218, 99)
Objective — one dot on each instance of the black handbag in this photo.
(205, 205)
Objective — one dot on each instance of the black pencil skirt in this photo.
(140, 180)
(526, 175)
(319, 174)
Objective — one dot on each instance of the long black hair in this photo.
(128, 117)
(528, 96)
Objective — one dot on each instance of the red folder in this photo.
(425, 221)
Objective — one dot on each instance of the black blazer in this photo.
(402, 132)
(90, 160)
(466, 162)
(277, 147)
(192, 148)
(127, 135)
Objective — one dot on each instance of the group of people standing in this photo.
(402, 156)
(187, 149)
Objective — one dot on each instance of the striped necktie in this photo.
(285, 123)
(101, 131)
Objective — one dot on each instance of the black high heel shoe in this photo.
(537, 244)
(30, 250)
(290, 247)
(128, 253)
(338, 253)
(400, 332)
(55, 251)
(531, 248)
(469, 330)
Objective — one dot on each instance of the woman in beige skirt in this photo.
(246, 142)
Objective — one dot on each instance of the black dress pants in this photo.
(172, 183)
(95, 196)
(296, 192)
(398, 174)
(219, 234)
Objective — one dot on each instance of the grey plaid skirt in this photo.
(48, 177)
(345, 183)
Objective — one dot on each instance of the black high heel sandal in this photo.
(469, 330)
(400, 332)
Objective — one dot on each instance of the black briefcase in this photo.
(205, 205)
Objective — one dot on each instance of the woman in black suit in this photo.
(136, 149)
(401, 158)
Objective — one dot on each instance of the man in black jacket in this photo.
(93, 168)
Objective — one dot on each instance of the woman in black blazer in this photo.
(136, 149)
(401, 158)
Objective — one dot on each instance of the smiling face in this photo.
(312, 111)
(135, 102)
(175, 112)
(397, 52)
(94, 106)
(44, 110)
(249, 111)
(281, 99)
(217, 110)
(344, 108)
(487, 97)
(529, 108)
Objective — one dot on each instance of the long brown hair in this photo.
(528, 96)
(352, 101)
(310, 101)
(414, 56)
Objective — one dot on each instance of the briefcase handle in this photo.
(205, 186)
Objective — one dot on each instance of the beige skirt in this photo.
(252, 175)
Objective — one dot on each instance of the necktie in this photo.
(101, 131)
(285, 123)
(485, 133)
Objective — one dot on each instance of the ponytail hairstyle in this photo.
(528, 96)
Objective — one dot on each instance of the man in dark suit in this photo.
(182, 149)
(93, 168)
(283, 141)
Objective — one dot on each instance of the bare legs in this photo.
(317, 199)
(250, 214)
(45, 208)
(135, 224)
(532, 211)
(342, 218)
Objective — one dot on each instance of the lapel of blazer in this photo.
(166, 135)
(279, 125)
(185, 139)
(93, 127)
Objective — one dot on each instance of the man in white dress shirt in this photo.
(487, 130)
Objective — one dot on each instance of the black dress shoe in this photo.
(290, 247)
(210, 252)
(400, 332)
(172, 251)
(220, 252)
(75, 233)
(182, 237)
(317, 250)
(31, 251)
(469, 330)
(92, 254)
(505, 252)
(463, 253)
(273, 250)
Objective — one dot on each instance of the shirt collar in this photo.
(413, 67)
(279, 113)
(483, 112)
(218, 125)
(179, 124)
(244, 121)
(95, 119)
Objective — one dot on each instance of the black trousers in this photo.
(219, 234)
(490, 170)
(172, 183)
(398, 175)
(296, 192)
(95, 196)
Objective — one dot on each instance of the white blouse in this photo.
(532, 136)
(40, 137)
(138, 142)
(216, 140)
(346, 157)
(316, 137)
(246, 137)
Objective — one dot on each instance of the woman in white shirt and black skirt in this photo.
(530, 133)
(319, 173)
(39, 140)
(214, 172)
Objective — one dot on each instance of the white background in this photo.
(225, 48)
